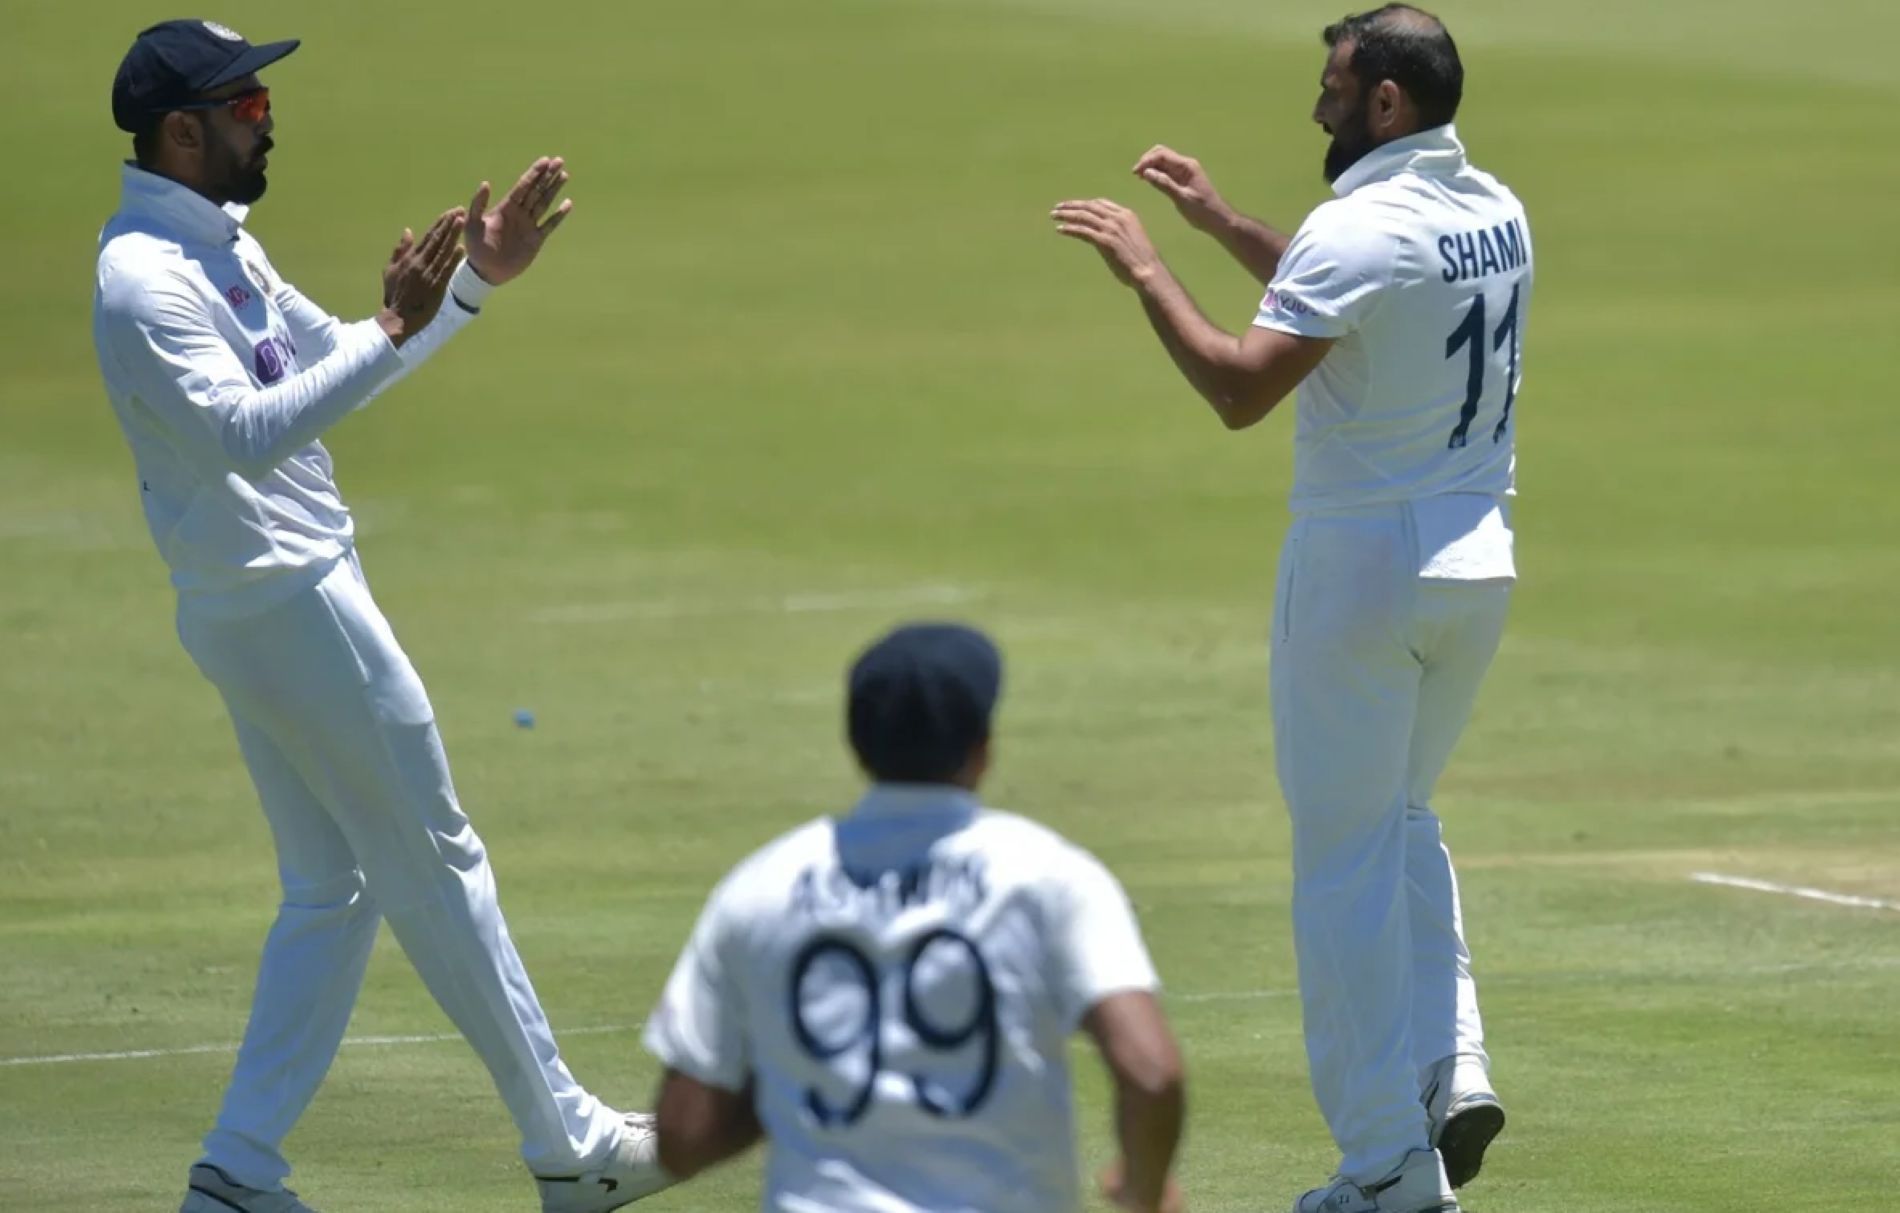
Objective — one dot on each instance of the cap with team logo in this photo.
(921, 700)
(174, 63)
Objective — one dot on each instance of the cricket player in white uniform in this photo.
(224, 377)
(1398, 310)
(888, 995)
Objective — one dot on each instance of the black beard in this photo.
(1352, 139)
(247, 188)
(242, 182)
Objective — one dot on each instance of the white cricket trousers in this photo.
(341, 742)
(1374, 673)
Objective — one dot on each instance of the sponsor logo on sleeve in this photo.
(1280, 301)
(273, 357)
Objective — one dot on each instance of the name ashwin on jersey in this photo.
(1483, 251)
(829, 893)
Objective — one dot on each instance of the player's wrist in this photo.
(391, 322)
(1150, 279)
(1215, 218)
(469, 289)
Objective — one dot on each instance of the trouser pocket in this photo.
(1283, 590)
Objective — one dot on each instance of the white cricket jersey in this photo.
(901, 983)
(1421, 269)
(223, 376)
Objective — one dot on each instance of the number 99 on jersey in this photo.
(923, 1030)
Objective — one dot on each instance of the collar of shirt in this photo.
(1435, 152)
(914, 799)
(182, 210)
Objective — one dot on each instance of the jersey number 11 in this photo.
(1471, 333)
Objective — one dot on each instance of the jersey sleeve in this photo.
(699, 1026)
(315, 329)
(1331, 276)
(1097, 944)
(160, 333)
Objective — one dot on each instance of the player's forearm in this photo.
(1254, 244)
(1207, 356)
(685, 1157)
(1150, 1094)
(701, 1126)
(269, 425)
(259, 428)
(1148, 1117)
(739, 1130)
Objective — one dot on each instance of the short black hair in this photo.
(145, 146)
(919, 701)
(1409, 47)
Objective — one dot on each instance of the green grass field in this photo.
(806, 361)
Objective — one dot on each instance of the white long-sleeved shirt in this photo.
(223, 377)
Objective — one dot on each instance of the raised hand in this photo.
(1186, 183)
(502, 243)
(417, 276)
(1116, 233)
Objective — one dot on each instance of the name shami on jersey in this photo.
(1483, 251)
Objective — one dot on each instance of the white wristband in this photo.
(469, 289)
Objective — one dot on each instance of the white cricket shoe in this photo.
(210, 1190)
(631, 1171)
(1417, 1186)
(1465, 1114)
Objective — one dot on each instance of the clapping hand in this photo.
(417, 276)
(502, 243)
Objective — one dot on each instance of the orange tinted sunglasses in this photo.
(248, 107)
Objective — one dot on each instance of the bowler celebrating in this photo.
(224, 378)
(1398, 309)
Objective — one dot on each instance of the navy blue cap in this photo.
(920, 700)
(174, 63)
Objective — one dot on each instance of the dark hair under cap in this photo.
(920, 701)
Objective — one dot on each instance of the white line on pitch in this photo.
(1230, 996)
(1794, 890)
(429, 1038)
(897, 598)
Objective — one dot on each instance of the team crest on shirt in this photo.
(238, 295)
(222, 31)
(258, 277)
